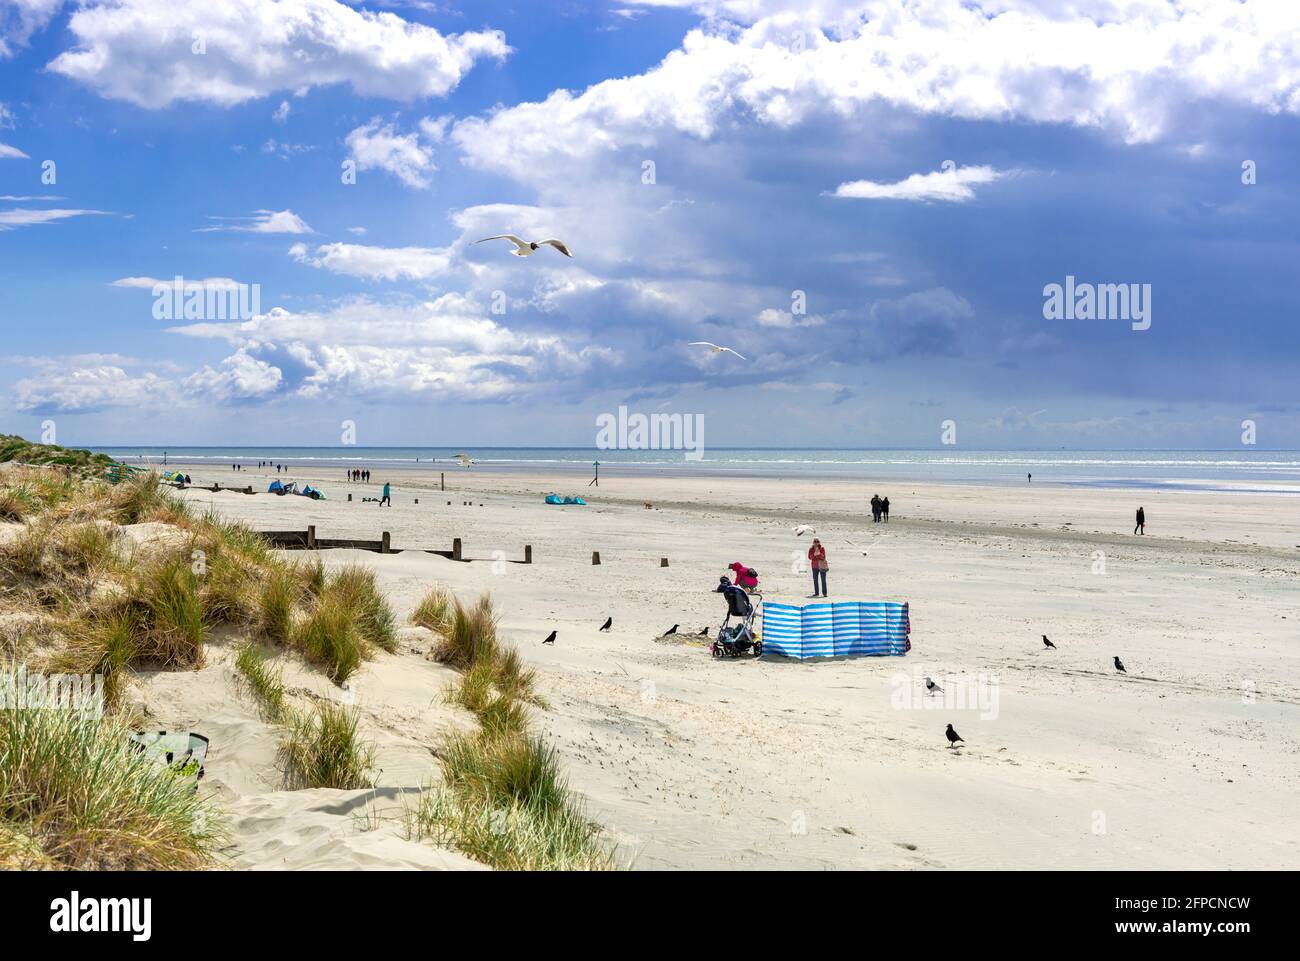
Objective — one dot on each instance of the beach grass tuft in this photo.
(75, 793)
(504, 802)
(264, 679)
(323, 748)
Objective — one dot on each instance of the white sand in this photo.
(1187, 762)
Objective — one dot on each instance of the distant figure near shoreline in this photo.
(1141, 526)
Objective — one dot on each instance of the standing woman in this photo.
(817, 561)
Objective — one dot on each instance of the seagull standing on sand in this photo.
(932, 687)
(953, 737)
(524, 248)
(609, 622)
(550, 638)
(714, 347)
(1119, 665)
(1047, 643)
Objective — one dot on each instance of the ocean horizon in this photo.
(1278, 471)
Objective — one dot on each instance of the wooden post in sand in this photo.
(595, 558)
(528, 553)
(385, 544)
(442, 480)
(663, 562)
(311, 537)
(455, 549)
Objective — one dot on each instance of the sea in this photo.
(1246, 470)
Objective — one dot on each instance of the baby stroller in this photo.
(736, 640)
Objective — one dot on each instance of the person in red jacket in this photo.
(817, 561)
(743, 577)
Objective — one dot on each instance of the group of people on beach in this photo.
(879, 509)
(362, 476)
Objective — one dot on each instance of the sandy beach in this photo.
(1188, 761)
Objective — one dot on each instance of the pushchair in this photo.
(738, 639)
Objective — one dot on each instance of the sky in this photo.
(868, 200)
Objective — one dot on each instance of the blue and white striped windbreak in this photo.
(835, 630)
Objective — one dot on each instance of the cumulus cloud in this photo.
(79, 385)
(378, 145)
(446, 347)
(262, 222)
(953, 184)
(154, 53)
(376, 263)
(238, 378)
(996, 60)
(11, 153)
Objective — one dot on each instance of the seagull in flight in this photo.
(803, 529)
(464, 459)
(525, 248)
(714, 347)
(865, 550)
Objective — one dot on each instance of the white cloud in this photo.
(83, 385)
(149, 283)
(262, 222)
(143, 51)
(997, 60)
(12, 153)
(445, 347)
(281, 114)
(20, 19)
(376, 263)
(952, 185)
(6, 117)
(285, 150)
(357, 230)
(20, 217)
(786, 320)
(379, 145)
(240, 377)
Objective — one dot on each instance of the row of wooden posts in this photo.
(308, 541)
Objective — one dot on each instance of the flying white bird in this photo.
(524, 248)
(865, 550)
(713, 347)
(803, 529)
(465, 460)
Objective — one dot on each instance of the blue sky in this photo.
(914, 172)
